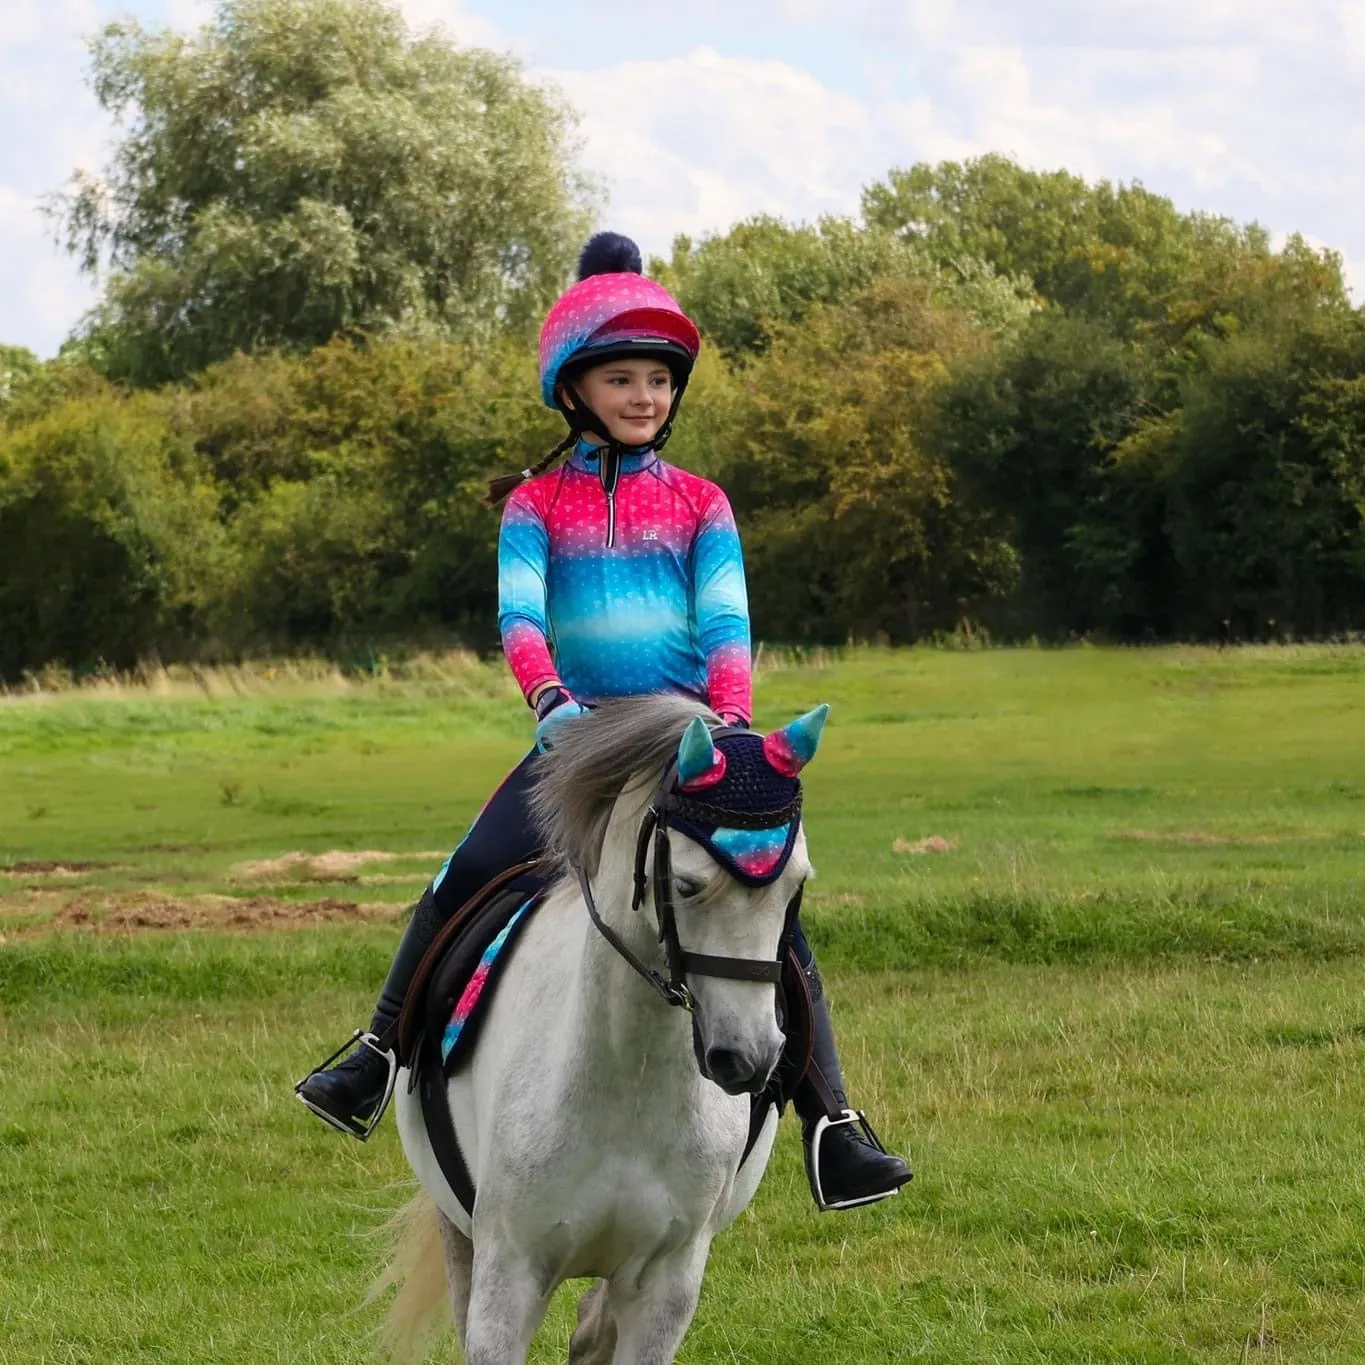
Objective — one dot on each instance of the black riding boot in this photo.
(351, 1095)
(845, 1163)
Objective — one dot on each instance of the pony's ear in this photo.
(698, 756)
(793, 746)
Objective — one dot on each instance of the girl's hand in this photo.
(554, 707)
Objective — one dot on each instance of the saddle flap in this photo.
(498, 898)
(798, 1024)
(464, 981)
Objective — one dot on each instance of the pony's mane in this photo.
(594, 759)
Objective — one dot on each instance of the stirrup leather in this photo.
(353, 1127)
(849, 1117)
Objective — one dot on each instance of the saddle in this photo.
(503, 906)
(455, 955)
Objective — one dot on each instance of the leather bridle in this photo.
(668, 800)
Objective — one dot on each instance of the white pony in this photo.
(597, 1146)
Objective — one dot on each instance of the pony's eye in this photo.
(687, 887)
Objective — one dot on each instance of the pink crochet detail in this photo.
(777, 749)
(710, 777)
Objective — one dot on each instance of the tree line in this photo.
(996, 399)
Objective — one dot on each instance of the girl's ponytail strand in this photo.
(506, 484)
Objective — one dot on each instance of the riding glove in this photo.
(554, 707)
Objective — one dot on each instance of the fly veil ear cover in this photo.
(742, 800)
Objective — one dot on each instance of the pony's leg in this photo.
(653, 1317)
(506, 1304)
(459, 1272)
(594, 1340)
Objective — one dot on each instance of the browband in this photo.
(703, 814)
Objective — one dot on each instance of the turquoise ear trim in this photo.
(696, 751)
(805, 731)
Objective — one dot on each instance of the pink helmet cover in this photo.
(612, 307)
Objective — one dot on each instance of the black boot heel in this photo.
(352, 1095)
(847, 1165)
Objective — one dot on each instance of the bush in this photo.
(351, 481)
(1267, 484)
(107, 527)
(851, 524)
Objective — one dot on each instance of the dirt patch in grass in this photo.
(47, 867)
(336, 865)
(934, 843)
(146, 911)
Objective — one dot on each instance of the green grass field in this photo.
(1094, 930)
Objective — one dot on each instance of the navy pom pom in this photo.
(609, 253)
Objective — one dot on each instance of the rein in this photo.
(667, 800)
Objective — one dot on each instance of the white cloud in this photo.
(188, 14)
(52, 126)
(692, 143)
(1241, 107)
(1351, 14)
(689, 144)
(1148, 24)
(1003, 111)
(455, 18)
(41, 295)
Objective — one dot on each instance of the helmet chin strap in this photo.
(582, 420)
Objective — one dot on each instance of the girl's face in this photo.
(632, 397)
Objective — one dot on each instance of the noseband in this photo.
(670, 800)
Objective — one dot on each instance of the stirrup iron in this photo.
(359, 1129)
(849, 1117)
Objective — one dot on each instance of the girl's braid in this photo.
(499, 488)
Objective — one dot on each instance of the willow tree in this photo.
(297, 168)
(17, 366)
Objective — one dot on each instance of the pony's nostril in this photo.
(731, 1070)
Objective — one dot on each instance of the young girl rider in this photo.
(618, 574)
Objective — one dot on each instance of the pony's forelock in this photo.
(623, 741)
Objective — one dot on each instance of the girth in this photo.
(416, 1035)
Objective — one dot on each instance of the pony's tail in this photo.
(418, 1272)
(505, 484)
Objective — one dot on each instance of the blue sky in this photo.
(696, 114)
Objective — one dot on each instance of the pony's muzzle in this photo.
(740, 1072)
